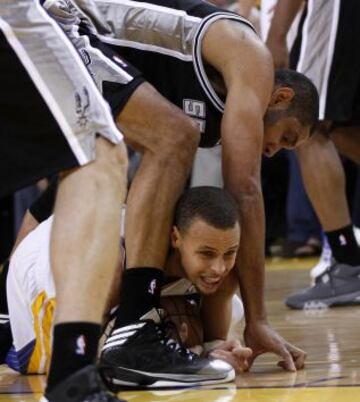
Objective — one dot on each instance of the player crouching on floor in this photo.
(198, 295)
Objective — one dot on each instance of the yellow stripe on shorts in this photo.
(43, 313)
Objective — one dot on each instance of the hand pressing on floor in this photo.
(261, 338)
(233, 353)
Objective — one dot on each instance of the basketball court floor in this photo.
(330, 337)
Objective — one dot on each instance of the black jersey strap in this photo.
(197, 57)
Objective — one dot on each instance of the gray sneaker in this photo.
(339, 285)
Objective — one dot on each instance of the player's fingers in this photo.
(250, 362)
(252, 358)
(230, 345)
(221, 354)
(198, 349)
(242, 353)
(287, 363)
(298, 355)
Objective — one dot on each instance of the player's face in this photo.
(281, 128)
(207, 254)
(283, 132)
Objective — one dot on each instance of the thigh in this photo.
(139, 110)
(147, 119)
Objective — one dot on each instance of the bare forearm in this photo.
(251, 261)
(219, 305)
(284, 15)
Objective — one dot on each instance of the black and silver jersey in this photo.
(162, 39)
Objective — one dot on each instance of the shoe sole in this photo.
(136, 378)
(318, 304)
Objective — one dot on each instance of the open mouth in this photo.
(210, 282)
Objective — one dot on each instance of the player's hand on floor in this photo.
(261, 338)
(233, 353)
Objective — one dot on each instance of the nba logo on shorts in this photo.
(342, 240)
(80, 345)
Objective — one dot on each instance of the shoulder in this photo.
(235, 50)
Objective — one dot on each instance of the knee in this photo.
(109, 170)
(180, 146)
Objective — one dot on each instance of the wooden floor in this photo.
(331, 339)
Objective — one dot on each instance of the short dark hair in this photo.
(305, 104)
(212, 204)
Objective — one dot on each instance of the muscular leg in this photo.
(84, 249)
(324, 181)
(168, 140)
(86, 234)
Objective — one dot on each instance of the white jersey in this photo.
(31, 300)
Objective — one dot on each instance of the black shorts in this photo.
(32, 145)
(327, 50)
(115, 92)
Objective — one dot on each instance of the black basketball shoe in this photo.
(144, 354)
(85, 385)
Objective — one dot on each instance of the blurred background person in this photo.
(327, 50)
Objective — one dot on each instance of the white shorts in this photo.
(31, 301)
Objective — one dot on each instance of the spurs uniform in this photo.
(161, 42)
(50, 107)
(163, 39)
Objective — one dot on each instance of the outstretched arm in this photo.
(247, 69)
(248, 74)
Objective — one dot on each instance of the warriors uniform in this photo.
(31, 300)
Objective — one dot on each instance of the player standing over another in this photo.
(213, 65)
(189, 68)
